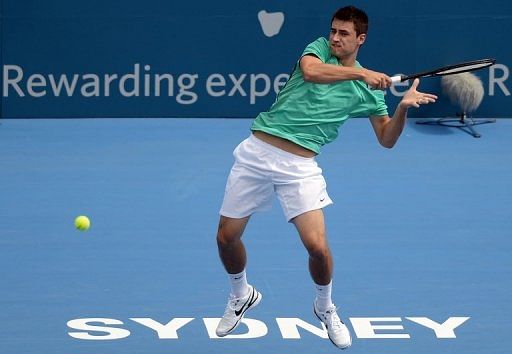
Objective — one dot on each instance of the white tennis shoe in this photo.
(235, 311)
(336, 329)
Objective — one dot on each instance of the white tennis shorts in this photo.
(262, 170)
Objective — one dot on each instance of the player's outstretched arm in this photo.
(389, 130)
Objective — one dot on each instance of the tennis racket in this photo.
(447, 70)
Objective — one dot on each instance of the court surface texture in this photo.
(420, 235)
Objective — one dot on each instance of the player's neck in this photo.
(348, 61)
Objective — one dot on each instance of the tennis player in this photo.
(327, 87)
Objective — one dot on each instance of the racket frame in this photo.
(447, 70)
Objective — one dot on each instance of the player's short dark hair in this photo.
(355, 15)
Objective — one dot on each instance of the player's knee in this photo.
(227, 236)
(319, 251)
(230, 231)
(223, 240)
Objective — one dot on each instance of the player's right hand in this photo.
(376, 80)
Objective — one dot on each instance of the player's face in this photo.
(343, 39)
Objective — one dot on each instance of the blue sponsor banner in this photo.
(226, 59)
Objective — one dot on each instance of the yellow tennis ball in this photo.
(82, 223)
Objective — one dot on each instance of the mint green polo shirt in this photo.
(310, 114)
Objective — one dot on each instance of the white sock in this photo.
(323, 296)
(239, 286)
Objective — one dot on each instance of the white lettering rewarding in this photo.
(143, 82)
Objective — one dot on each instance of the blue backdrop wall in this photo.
(162, 58)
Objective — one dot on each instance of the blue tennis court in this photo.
(420, 236)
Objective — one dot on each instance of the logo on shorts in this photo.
(322, 199)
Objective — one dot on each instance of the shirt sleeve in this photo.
(319, 48)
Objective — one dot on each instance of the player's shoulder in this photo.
(320, 41)
(319, 47)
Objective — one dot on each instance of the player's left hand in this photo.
(414, 98)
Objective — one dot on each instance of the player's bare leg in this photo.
(233, 256)
(311, 228)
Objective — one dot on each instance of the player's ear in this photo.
(361, 38)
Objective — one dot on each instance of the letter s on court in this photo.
(84, 325)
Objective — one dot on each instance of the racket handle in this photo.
(396, 78)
